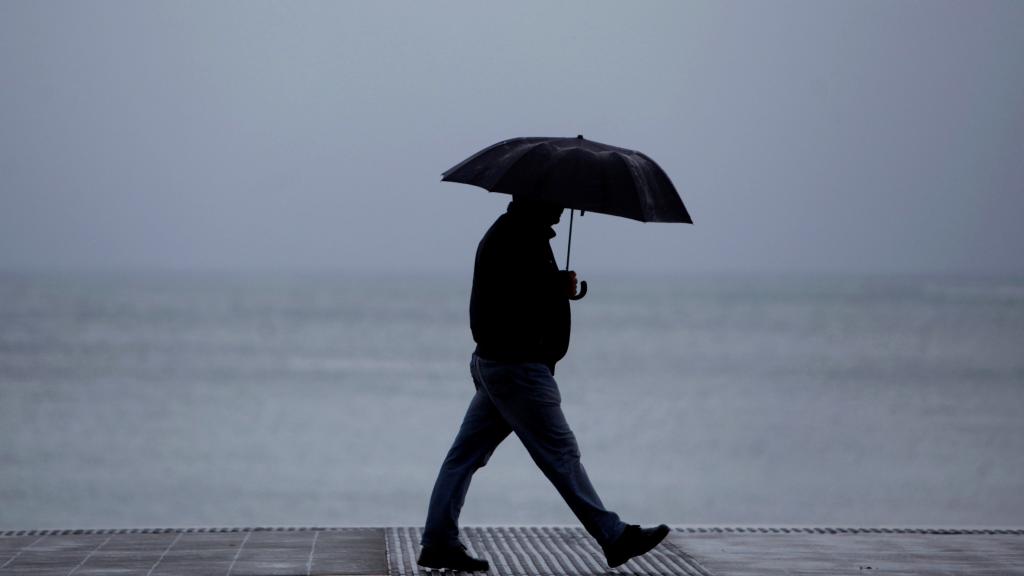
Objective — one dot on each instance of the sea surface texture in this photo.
(216, 399)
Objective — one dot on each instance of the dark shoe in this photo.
(451, 559)
(634, 542)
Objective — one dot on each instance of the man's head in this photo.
(534, 209)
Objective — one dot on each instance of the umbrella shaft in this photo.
(568, 248)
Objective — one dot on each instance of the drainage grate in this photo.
(541, 551)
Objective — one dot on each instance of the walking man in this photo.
(519, 315)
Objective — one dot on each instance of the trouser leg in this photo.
(528, 398)
(482, 430)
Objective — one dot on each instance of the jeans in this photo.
(520, 398)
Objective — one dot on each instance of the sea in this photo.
(222, 399)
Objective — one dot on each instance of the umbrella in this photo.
(578, 174)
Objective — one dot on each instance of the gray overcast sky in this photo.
(833, 136)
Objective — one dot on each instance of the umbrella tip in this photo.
(579, 136)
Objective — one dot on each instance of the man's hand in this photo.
(571, 284)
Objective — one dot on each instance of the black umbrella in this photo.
(578, 174)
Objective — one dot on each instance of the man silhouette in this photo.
(519, 315)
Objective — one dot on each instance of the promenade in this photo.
(534, 551)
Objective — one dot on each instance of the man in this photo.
(519, 315)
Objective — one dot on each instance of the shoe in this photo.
(634, 542)
(451, 559)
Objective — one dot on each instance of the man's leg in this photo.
(528, 398)
(483, 428)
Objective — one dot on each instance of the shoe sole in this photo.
(444, 570)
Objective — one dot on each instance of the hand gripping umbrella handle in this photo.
(583, 291)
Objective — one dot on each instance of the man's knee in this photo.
(564, 459)
(484, 459)
(570, 455)
(459, 457)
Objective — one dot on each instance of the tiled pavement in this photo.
(214, 553)
(535, 551)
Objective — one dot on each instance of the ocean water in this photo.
(173, 399)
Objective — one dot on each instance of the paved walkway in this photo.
(533, 551)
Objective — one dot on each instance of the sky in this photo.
(874, 137)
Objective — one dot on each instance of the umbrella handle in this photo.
(583, 291)
(568, 250)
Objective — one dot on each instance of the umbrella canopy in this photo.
(578, 174)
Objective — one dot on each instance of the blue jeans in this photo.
(520, 398)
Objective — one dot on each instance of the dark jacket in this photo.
(519, 310)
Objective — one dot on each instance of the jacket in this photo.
(519, 309)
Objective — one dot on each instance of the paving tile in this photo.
(869, 553)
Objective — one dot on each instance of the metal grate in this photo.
(541, 551)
